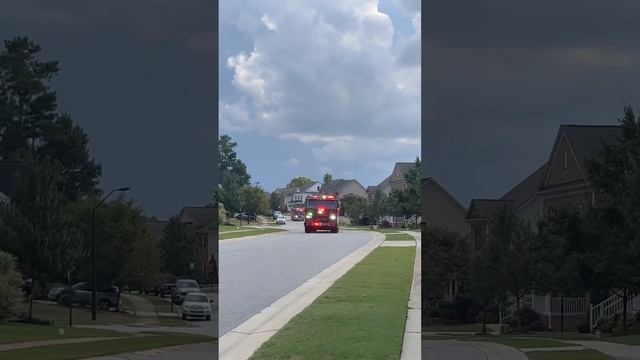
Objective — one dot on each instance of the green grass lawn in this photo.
(391, 237)
(102, 348)
(362, 316)
(568, 355)
(453, 328)
(81, 315)
(16, 332)
(625, 339)
(228, 227)
(231, 235)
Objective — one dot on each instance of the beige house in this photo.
(562, 181)
(342, 187)
(440, 208)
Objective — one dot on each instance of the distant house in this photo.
(392, 182)
(441, 209)
(202, 223)
(342, 187)
(9, 178)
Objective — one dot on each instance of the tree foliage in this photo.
(178, 247)
(10, 285)
(299, 182)
(354, 206)
(327, 178)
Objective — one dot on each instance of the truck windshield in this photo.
(327, 204)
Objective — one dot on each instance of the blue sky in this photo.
(308, 87)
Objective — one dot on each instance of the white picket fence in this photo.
(611, 307)
(547, 306)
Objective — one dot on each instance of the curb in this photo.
(245, 339)
(412, 341)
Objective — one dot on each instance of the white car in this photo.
(281, 220)
(196, 305)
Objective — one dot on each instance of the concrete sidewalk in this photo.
(411, 347)
(615, 350)
(144, 310)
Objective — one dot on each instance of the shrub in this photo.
(583, 327)
(529, 320)
(10, 285)
(446, 310)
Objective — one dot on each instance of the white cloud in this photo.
(331, 76)
(293, 161)
(268, 23)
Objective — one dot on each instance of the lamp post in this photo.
(94, 297)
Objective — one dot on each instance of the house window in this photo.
(564, 159)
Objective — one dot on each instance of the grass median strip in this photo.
(392, 237)
(102, 348)
(362, 316)
(238, 234)
(16, 332)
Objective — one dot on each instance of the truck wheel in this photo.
(307, 230)
(334, 230)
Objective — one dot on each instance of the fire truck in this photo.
(297, 214)
(321, 213)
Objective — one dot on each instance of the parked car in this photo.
(275, 215)
(281, 220)
(54, 291)
(167, 289)
(245, 216)
(196, 305)
(182, 288)
(108, 297)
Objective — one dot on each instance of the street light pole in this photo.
(94, 295)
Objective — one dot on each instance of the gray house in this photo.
(342, 187)
(440, 208)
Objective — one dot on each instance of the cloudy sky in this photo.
(500, 76)
(139, 76)
(308, 87)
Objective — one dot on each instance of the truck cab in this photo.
(321, 213)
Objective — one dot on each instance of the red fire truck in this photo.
(321, 213)
(297, 214)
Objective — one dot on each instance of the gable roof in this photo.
(486, 208)
(335, 186)
(526, 189)
(199, 215)
(584, 141)
(432, 182)
(9, 176)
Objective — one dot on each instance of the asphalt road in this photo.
(449, 351)
(255, 272)
(203, 351)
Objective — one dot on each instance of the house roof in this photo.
(336, 186)
(401, 168)
(199, 215)
(586, 140)
(432, 182)
(9, 176)
(527, 188)
(486, 208)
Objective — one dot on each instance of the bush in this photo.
(492, 314)
(529, 320)
(583, 327)
(10, 285)
(446, 310)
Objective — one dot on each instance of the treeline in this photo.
(46, 224)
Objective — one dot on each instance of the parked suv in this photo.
(108, 297)
(182, 288)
